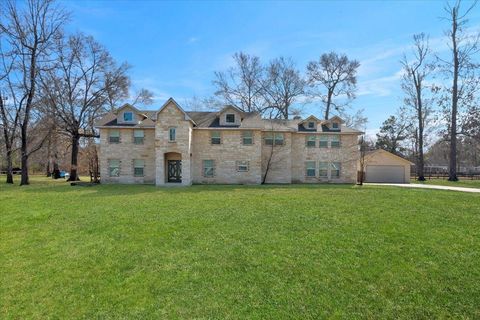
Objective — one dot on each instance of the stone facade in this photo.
(277, 151)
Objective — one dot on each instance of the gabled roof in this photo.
(309, 118)
(128, 105)
(337, 118)
(392, 155)
(229, 106)
(171, 100)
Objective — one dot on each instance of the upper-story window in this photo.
(247, 137)
(114, 136)
(172, 134)
(335, 141)
(128, 116)
(310, 141)
(274, 138)
(230, 118)
(323, 143)
(138, 136)
(311, 125)
(215, 137)
(334, 125)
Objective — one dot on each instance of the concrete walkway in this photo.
(426, 186)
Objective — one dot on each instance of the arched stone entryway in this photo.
(173, 167)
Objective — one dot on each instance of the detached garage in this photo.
(384, 167)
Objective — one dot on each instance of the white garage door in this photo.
(390, 174)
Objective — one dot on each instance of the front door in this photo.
(174, 171)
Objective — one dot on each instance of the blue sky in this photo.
(174, 47)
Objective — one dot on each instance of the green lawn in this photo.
(238, 252)
(445, 182)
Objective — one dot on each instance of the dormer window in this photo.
(230, 118)
(311, 125)
(334, 125)
(128, 116)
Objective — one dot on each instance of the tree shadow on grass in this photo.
(105, 190)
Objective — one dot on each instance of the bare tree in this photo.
(357, 120)
(242, 85)
(28, 30)
(461, 69)
(334, 78)
(416, 72)
(79, 87)
(283, 85)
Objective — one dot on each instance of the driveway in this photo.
(426, 186)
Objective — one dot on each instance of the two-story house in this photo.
(172, 146)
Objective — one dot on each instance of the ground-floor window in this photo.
(310, 169)
(335, 170)
(242, 166)
(323, 170)
(208, 168)
(114, 168)
(138, 167)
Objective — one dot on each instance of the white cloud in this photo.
(192, 40)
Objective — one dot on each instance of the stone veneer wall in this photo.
(126, 151)
(347, 155)
(225, 156)
(281, 160)
(171, 116)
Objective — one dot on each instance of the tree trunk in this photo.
(24, 152)
(329, 102)
(9, 165)
(74, 160)
(452, 174)
(421, 158)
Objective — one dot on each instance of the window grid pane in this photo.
(335, 169)
(310, 168)
(172, 134)
(323, 169)
(208, 168)
(215, 137)
(335, 141)
(247, 137)
(311, 141)
(230, 118)
(278, 139)
(114, 168)
(242, 166)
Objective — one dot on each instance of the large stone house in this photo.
(171, 146)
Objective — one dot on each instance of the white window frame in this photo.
(323, 139)
(138, 164)
(333, 168)
(205, 167)
(138, 139)
(110, 136)
(312, 125)
(174, 130)
(308, 167)
(245, 137)
(110, 167)
(309, 139)
(242, 165)
(219, 137)
(325, 168)
(335, 141)
(226, 118)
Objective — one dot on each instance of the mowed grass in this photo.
(444, 182)
(238, 252)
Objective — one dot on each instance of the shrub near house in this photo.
(228, 147)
